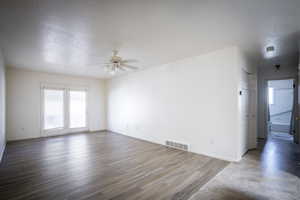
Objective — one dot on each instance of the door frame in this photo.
(295, 104)
(66, 129)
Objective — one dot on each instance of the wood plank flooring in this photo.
(272, 172)
(101, 166)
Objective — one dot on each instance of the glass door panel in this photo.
(77, 109)
(53, 109)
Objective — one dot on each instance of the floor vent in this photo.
(177, 145)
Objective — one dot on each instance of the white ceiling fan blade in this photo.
(129, 61)
(122, 69)
(99, 65)
(129, 66)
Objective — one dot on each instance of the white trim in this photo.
(225, 158)
(64, 86)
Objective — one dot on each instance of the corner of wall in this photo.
(2, 105)
(105, 85)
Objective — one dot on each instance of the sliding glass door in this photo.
(64, 111)
(77, 109)
(53, 109)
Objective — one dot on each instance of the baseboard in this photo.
(143, 140)
(21, 139)
(59, 135)
(260, 138)
(205, 154)
(95, 131)
(2, 152)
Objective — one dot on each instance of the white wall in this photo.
(194, 101)
(24, 101)
(2, 106)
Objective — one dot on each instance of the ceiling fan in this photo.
(116, 64)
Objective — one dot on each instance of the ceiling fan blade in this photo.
(122, 69)
(129, 61)
(129, 66)
(98, 65)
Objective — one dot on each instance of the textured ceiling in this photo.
(76, 36)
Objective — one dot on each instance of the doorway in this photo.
(64, 110)
(281, 109)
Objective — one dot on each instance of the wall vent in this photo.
(177, 145)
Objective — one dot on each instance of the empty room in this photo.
(156, 100)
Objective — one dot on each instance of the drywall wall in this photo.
(2, 106)
(267, 71)
(24, 101)
(192, 101)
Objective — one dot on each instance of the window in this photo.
(64, 110)
(77, 115)
(271, 95)
(53, 109)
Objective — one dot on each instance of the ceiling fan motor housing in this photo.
(117, 64)
(116, 59)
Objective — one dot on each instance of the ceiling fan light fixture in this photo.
(117, 64)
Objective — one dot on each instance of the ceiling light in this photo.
(270, 49)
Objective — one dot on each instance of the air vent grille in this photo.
(177, 145)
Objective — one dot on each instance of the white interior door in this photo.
(248, 111)
(252, 129)
(252, 136)
(245, 120)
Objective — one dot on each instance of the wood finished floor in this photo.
(101, 166)
(272, 172)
